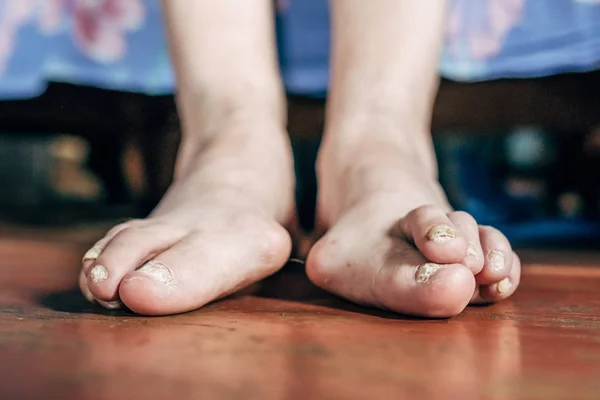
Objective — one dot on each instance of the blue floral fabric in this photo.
(120, 44)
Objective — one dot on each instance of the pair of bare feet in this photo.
(390, 239)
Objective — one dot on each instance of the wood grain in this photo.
(289, 340)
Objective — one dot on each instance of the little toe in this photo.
(506, 287)
(127, 250)
(435, 235)
(469, 229)
(498, 256)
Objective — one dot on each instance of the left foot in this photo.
(393, 241)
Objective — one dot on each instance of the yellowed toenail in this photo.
(441, 234)
(88, 295)
(92, 254)
(472, 253)
(98, 274)
(159, 272)
(110, 305)
(496, 260)
(426, 271)
(504, 285)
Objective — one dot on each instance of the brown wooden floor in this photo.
(291, 341)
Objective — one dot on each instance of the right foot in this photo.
(218, 229)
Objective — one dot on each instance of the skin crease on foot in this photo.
(390, 239)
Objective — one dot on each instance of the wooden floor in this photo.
(291, 341)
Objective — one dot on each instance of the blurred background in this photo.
(89, 130)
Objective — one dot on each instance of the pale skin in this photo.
(390, 239)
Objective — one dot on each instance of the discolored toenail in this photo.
(98, 274)
(441, 234)
(472, 253)
(92, 254)
(496, 260)
(110, 305)
(159, 272)
(426, 271)
(504, 285)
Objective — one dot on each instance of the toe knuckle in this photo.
(424, 211)
(130, 235)
(464, 216)
(128, 232)
(124, 225)
(116, 229)
(492, 231)
(502, 245)
(491, 235)
(486, 228)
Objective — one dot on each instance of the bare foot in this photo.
(219, 228)
(393, 241)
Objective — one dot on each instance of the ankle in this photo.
(251, 157)
(241, 135)
(350, 146)
(205, 114)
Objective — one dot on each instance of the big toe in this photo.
(106, 264)
(429, 290)
(391, 274)
(203, 267)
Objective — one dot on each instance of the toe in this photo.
(94, 252)
(498, 256)
(393, 276)
(429, 290)
(507, 286)
(83, 286)
(127, 250)
(203, 267)
(469, 229)
(435, 235)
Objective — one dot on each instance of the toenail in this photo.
(441, 234)
(159, 272)
(426, 271)
(88, 295)
(504, 285)
(92, 254)
(110, 305)
(98, 274)
(472, 253)
(496, 260)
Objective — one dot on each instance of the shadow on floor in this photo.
(73, 302)
(291, 284)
